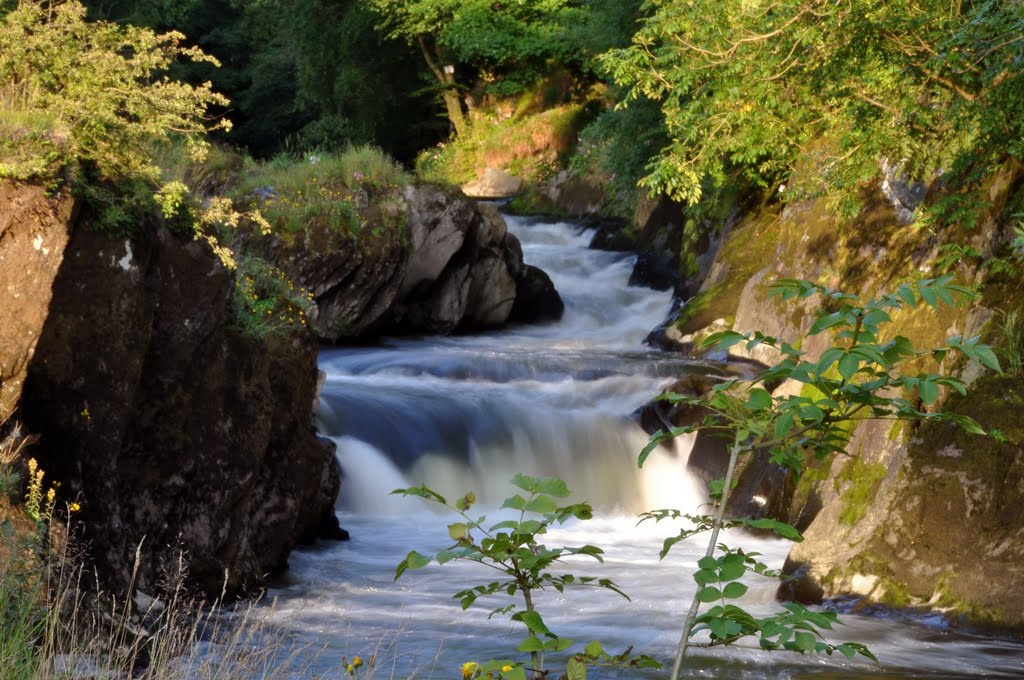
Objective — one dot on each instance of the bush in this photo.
(105, 84)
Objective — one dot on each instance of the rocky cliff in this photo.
(911, 517)
(177, 435)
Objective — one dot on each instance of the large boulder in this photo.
(495, 183)
(934, 519)
(454, 268)
(175, 433)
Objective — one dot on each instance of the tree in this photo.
(505, 40)
(769, 86)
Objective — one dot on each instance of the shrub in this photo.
(105, 84)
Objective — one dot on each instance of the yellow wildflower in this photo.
(357, 662)
(506, 668)
(469, 670)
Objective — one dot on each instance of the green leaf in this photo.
(533, 621)
(928, 294)
(705, 576)
(593, 649)
(531, 644)
(458, 531)
(734, 590)
(709, 594)
(516, 502)
(780, 528)
(552, 486)
(413, 560)
(723, 340)
(906, 293)
(986, 357)
(559, 645)
(576, 669)
(825, 322)
(929, 391)
(542, 504)
(758, 399)
(848, 366)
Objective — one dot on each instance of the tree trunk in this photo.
(449, 91)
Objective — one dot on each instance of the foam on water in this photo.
(467, 413)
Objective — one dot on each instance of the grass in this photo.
(530, 145)
(1012, 350)
(265, 301)
(56, 623)
(31, 145)
(358, 167)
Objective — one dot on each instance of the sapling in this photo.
(512, 548)
(865, 373)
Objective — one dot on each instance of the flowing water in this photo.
(467, 413)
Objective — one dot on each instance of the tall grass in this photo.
(358, 167)
(57, 623)
(1012, 350)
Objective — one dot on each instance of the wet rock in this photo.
(654, 269)
(457, 270)
(936, 523)
(536, 301)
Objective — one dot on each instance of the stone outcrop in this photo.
(495, 183)
(936, 523)
(175, 433)
(33, 233)
(455, 269)
(923, 517)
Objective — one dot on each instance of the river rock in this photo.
(496, 183)
(177, 435)
(536, 301)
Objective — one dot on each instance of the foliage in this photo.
(620, 143)
(509, 45)
(865, 373)
(528, 146)
(105, 84)
(265, 302)
(754, 86)
(512, 548)
(1010, 327)
(330, 190)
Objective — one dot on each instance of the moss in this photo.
(888, 590)
(814, 473)
(862, 481)
(751, 247)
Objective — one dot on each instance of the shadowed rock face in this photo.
(174, 432)
(457, 269)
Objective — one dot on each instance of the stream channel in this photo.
(468, 413)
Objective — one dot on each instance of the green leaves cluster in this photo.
(863, 374)
(104, 86)
(768, 87)
(512, 548)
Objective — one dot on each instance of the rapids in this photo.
(467, 413)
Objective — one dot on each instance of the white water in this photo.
(468, 413)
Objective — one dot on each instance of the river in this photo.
(468, 413)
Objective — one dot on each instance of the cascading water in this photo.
(468, 413)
